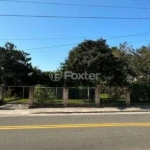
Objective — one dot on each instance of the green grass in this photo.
(104, 95)
(79, 101)
(16, 101)
(71, 101)
(104, 100)
(26, 101)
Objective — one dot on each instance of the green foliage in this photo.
(14, 65)
(44, 95)
(96, 57)
(116, 92)
(113, 92)
(138, 61)
(16, 101)
(140, 92)
(141, 63)
(8, 93)
(103, 95)
(118, 66)
(13, 93)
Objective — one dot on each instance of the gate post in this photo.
(97, 96)
(65, 96)
(127, 97)
(2, 92)
(31, 97)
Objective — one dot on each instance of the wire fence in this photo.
(112, 95)
(140, 93)
(77, 96)
(84, 96)
(53, 96)
(48, 96)
(86, 93)
(16, 94)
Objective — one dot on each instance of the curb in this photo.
(91, 112)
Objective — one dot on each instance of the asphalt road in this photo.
(76, 132)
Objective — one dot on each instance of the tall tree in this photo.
(96, 57)
(14, 65)
(141, 63)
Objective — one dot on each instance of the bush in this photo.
(8, 93)
(44, 95)
(114, 92)
(140, 92)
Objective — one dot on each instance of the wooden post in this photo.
(127, 97)
(97, 96)
(65, 96)
(31, 97)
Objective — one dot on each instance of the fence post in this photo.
(65, 96)
(97, 96)
(2, 92)
(127, 97)
(31, 97)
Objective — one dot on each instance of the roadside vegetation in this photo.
(120, 67)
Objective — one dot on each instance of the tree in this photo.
(96, 57)
(126, 54)
(14, 66)
(141, 63)
(138, 59)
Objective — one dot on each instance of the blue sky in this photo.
(49, 59)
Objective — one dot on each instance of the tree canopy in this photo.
(14, 65)
(97, 57)
(117, 66)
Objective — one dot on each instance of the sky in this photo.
(57, 36)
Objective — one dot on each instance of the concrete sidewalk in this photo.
(89, 110)
(25, 111)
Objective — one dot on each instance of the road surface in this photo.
(76, 132)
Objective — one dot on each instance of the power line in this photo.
(51, 38)
(61, 38)
(73, 4)
(110, 44)
(142, 0)
(75, 17)
(135, 42)
(137, 34)
(31, 49)
(51, 46)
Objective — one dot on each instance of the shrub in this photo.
(140, 92)
(114, 92)
(8, 93)
(44, 95)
